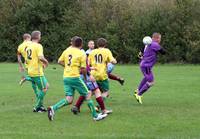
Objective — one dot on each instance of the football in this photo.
(147, 40)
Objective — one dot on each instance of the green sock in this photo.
(34, 88)
(92, 109)
(39, 99)
(36, 99)
(60, 104)
(37, 102)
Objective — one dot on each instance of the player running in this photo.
(93, 90)
(21, 53)
(110, 66)
(147, 62)
(73, 60)
(99, 58)
(36, 62)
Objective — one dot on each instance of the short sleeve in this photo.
(62, 57)
(19, 49)
(110, 56)
(83, 61)
(40, 51)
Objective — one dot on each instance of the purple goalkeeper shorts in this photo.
(92, 86)
(148, 74)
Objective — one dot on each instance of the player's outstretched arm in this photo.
(162, 51)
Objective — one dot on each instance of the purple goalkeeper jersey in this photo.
(150, 55)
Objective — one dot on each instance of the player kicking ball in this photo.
(73, 60)
(148, 60)
(110, 66)
(98, 59)
(93, 90)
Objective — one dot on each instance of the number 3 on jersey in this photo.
(69, 60)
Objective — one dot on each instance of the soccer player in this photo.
(21, 52)
(90, 46)
(73, 60)
(93, 89)
(110, 66)
(147, 62)
(36, 62)
(99, 58)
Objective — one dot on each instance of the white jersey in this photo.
(88, 51)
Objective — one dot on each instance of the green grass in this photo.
(171, 108)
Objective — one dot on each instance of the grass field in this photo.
(171, 109)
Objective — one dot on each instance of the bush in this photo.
(123, 23)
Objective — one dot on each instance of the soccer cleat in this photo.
(121, 81)
(22, 81)
(136, 94)
(136, 91)
(100, 116)
(140, 99)
(75, 110)
(34, 110)
(50, 113)
(39, 110)
(107, 112)
(43, 109)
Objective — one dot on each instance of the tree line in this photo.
(122, 22)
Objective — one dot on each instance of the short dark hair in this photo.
(101, 42)
(73, 38)
(77, 41)
(35, 35)
(26, 36)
